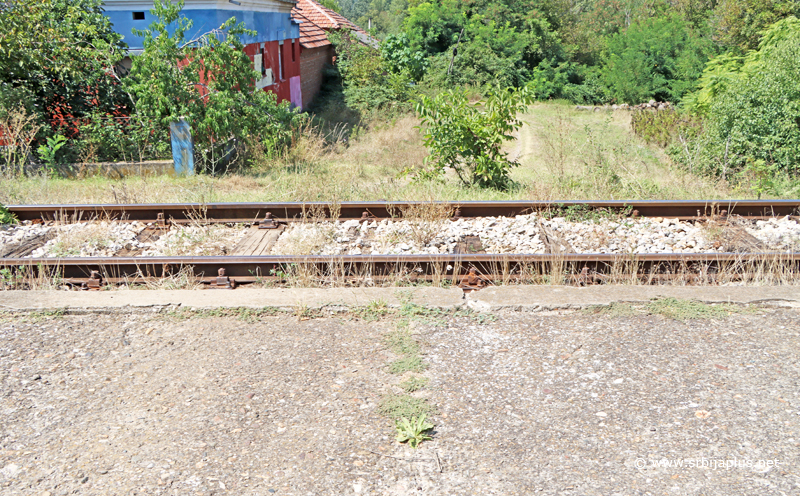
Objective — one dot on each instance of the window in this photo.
(260, 56)
(138, 16)
(280, 61)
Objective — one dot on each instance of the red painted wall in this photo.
(291, 64)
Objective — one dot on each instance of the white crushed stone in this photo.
(521, 234)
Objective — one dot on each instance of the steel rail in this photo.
(291, 211)
(490, 266)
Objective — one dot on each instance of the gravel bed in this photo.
(529, 234)
(558, 403)
(107, 239)
(522, 234)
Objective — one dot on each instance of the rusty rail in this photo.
(476, 270)
(290, 211)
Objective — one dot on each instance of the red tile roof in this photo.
(315, 19)
(311, 35)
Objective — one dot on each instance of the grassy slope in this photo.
(565, 154)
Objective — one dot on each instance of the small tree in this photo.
(468, 138)
(209, 81)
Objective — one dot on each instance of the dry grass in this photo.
(17, 129)
(426, 220)
(73, 239)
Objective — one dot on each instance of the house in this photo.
(316, 50)
(274, 50)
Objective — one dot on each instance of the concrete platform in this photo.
(505, 298)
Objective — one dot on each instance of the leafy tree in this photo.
(400, 58)
(658, 58)
(752, 105)
(57, 59)
(210, 82)
(739, 23)
(468, 138)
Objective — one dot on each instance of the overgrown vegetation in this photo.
(469, 69)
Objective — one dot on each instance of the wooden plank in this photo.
(258, 242)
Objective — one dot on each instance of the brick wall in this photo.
(312, 62)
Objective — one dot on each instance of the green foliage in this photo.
(48, 152)
(658, 58)
(662, 127)
(410, 363)
(6, 217)
(331, 4)
(209, 81)
(673, 308)
(369, 84)
(413, 431)
(108, 138)
(740, 23)
(57, 60)
(468, 138)
(397, 406)
(413, 384)
(400, 58)
(751, 105)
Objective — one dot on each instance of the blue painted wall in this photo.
(269, 26)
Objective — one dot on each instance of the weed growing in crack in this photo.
(397, 406)
(673, 308)
(413, 431)
(414, 383)
(372, 311)
(412, 363)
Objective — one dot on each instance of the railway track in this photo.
(289, 212)
(469, 270)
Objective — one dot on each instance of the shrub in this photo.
(751, 106)
(658, 58)
(468, 138)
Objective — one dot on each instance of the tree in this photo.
(752, 105)
(209, 81)
(739, 23)
(658, 58)
(57, 60)
(468, 138)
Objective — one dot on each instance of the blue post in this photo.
(182, 147)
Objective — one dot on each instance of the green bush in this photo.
(468, 138)
(751, 106)
(658, 58)
(369, 84)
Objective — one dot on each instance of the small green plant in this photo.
(410, 363)
(47, 152)
(401, 342)
(468, 138)
(6, 217)
(10, 279)
(372, 311)
(673, 308)
(413, 384)
(762, 176)
(413, 431)
(397, 406)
